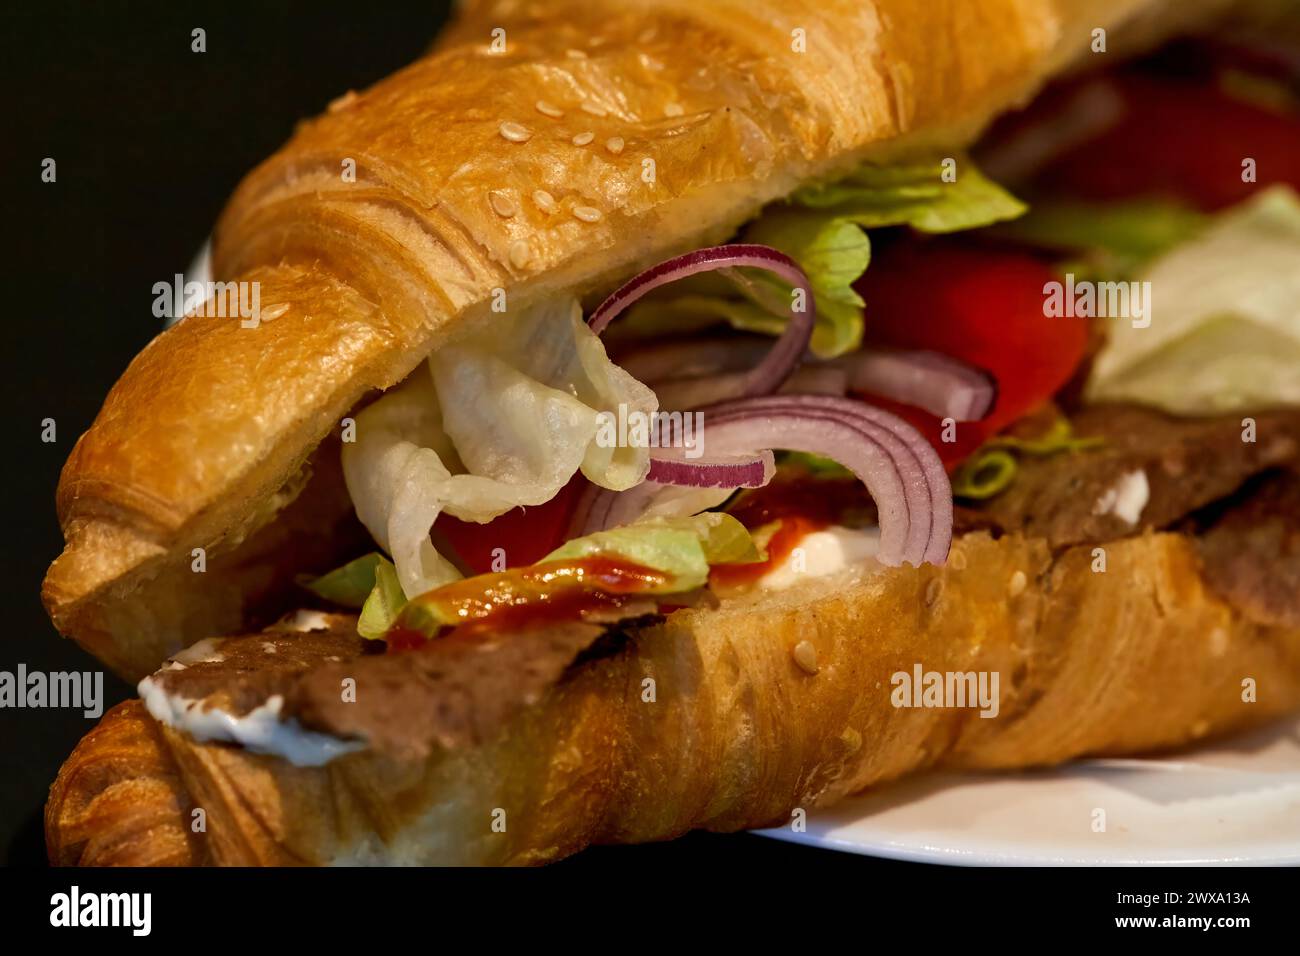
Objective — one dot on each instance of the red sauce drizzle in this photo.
(802, 504)
(564, 590)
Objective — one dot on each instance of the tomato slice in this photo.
(981, 304)
(523, 535)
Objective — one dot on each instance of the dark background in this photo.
(149, 139)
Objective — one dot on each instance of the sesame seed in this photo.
(586, 213)
(582, 139)
(805, 655)
(957, 559)
(549, 109)
(502, 204)
(515, 132)
(614, 144)
(520, 253)
(575, 54)
(673, 109)
(274, 311)
(343, 102)
(595, 109)
(545, 201)
(1016, 586)
(932, 592)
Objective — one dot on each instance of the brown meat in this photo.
(1251, 554)
(457, 691)
(1189, 463)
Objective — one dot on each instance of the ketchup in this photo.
(565, 590)
(802, 504)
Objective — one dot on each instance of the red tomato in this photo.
(1185, 139)
(980, 304)
(525, 535)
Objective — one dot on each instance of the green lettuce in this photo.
(822, 227)
(1224, 318)
(1115, 238)
(368, 584)
(385, 602)
(682, 548)
(915, 195)
(350, 585)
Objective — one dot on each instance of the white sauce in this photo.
(821, 553)
(307, 620)
(201, 652)
(261, 730)
(1126, 499)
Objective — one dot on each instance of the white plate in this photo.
(1236, 802)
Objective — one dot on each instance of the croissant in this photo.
(740, 731)
(209, 433)
(558, 149)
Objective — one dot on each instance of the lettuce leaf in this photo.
(384, 603)
(1117, 238)
(350, 585)
(822, 228)
(1224, 332)
(914, 195)
(683, 548)
(493, 421)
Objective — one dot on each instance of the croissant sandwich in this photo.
(644, 416)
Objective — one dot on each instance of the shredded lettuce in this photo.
(682, 548)
(1224, 331)
(492, 422)
(822, 228)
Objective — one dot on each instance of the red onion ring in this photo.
(746, 471)
(785, 353)
(943, 386)
(936, 514)
(903, 474)
(689, 357)
(598, 508)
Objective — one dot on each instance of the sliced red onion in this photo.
(692, 393)
(943, 386)
(816, 379)
(598, 509)
(860, 438)
(745, 471)
(937, 517)
(691, 356)
(902, 472)
(781, 359)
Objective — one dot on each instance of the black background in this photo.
(149, 139)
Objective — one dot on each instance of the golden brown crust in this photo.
(120, 800)
(1139, 657)
(213, 420)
